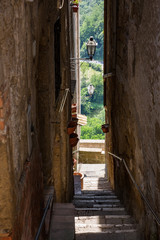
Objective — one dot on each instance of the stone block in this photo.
(1, 113)
(1, 102)
(2, 125)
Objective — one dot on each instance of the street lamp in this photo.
(90, 89)
(91, 47)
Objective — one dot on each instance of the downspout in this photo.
(105, 50)
(110, 12)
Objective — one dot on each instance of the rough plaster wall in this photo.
(62, 160)
(18, 30)
(136, 108)
(52, 124)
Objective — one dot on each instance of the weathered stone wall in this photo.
(135, 110)
(20, 172)
(34, 145)
(91, 151)
(89, 143)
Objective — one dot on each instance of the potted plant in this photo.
(74, 108)
(73, 139)
(71, 127)
(75, 5)
(105, 127)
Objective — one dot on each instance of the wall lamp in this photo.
(91, 49)
(90, 89)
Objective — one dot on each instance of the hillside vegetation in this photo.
(92, 105)
(91, 24)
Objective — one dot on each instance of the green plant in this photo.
(75, 1)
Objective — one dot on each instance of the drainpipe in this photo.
(110, 12)
(105, 50)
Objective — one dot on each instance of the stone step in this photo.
(62, 222)
(92, 205)
(96, 183)
(99, 211)
(93, 187)
(118, 235)
(94, 179)
(90, 219)
(108, 219)
(93, 173)
(118, 219)
(103, 201)
(97, 187)
(107, 205)
(101, 198)
(98, 192)
(83, 228)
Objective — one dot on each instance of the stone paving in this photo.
(99, 214)
(62, 225)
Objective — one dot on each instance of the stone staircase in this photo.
(100, 215)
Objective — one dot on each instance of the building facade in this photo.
(35, 108)
(131, 88)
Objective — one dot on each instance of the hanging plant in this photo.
(73, 139)
(105, 128)
(75, 1)
(75, 5)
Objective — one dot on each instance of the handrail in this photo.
(138, 188)
(43, 218)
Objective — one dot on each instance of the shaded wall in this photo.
(134, 106)
(34, 145)
(20, 172)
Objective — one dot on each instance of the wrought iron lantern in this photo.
(91, 47)
(90, 89)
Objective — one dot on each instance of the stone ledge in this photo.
(91, 141)
(82, 149)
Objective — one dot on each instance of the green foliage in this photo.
(91, 24)
(92, 106)
(93, 128)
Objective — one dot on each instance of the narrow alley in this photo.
(96, 212)
(80, 120)
(99, 213)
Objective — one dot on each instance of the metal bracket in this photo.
(107, 75)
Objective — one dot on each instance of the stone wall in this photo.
(134, 109)
(21, 170)
(91, 151)
(34, 144)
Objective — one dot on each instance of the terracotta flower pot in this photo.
(75, 7)
(73, 139)
(74, 119)
(71, 129)
(72, 124)
(74, 109)
(105, 128)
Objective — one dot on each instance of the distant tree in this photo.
(91, 24)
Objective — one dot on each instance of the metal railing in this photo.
(43, 218)
(138, 188)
